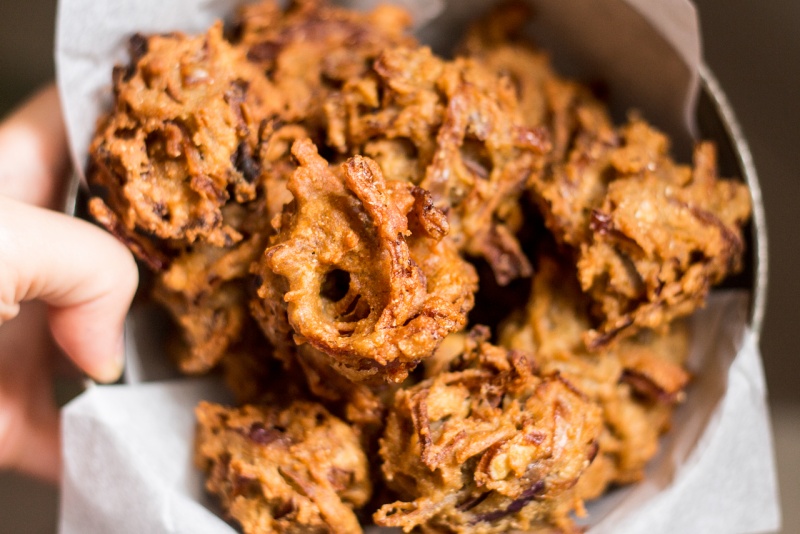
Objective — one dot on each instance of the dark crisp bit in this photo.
(293, 470)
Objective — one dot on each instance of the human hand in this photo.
(53, 269)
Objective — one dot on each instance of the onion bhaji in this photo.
(342, 268)
(297, 469)
(636, 383)
(201, 129)
(176, 159)
(662, 236)
(180, 140)
(452, 128)
(491, 445)
(651, 237)
(311, 48)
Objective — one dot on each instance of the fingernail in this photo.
(112, 368)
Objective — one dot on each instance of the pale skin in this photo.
(64, 283)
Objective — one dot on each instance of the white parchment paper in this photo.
(127, 449)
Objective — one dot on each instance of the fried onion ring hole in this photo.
(348, 226)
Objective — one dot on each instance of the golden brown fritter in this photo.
(491, 445)
(453, 129)
(339, 275)
(297, 469)
(207, 291)
(636, 383)
(310, 49)
(650, 236)
(662, 236)
(178, 159)
(181, 138)
(189, 113)
(202, 128)
(204, 290)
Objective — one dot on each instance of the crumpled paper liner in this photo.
(128, 449)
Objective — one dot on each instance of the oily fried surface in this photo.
(452, 128)
(297, 469)
(310, 49)
(180, 141)
(342, 268)
(187, 131)
(650, 236)
(635, 383)
(489, 446)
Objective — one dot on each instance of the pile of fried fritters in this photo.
(320, 197)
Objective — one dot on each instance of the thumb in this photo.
(85, 276)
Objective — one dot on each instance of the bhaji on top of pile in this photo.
(313, 191)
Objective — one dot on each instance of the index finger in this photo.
(34, 158)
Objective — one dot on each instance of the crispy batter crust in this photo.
(204, 291)
(490, 446)
(545, 98)
(177, 159)
(663, 235)
(312, 47)
(293, 470)
(178, 143)
(347, 224)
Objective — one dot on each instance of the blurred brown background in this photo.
(753, 49)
